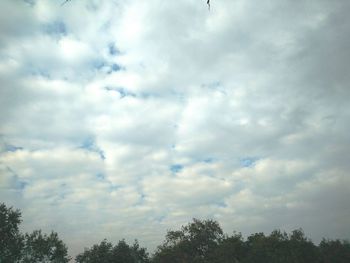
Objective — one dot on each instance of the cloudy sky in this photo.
(125, 118)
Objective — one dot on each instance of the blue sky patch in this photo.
(113, 50)
(30, 2)
(209, 160)
(122, 91)
(115, 67)
(114, 187)
(176, 168)
(12, 148)
(221, 204)
(18, 184)
(99, 64)
(248, 161)
(57, 28)
(90, 145)
(21, 184)
(100, 176)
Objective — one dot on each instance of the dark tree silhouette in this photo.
(39, 247)
(121, 253)
(29, 248)
(201, 241)
(193, 243)
(11, 240)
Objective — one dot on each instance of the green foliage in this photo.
(44, 248)
(203, 241)
(11, 240)
(231, 249)
(301, 248)
(334, 251)
(97, 253)
(29, 248)
(193, 243)
(197, 242)
(121, 253)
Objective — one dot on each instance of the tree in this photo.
(256, 246)
(29, 248)
(301, 248)
(334, 251)
(193, 243)
(141, 253)
(11, 240)
(201, 241)
(121, 253)
(101, 253)
(231, 249)
(42, 248)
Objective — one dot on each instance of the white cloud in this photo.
(124, 119)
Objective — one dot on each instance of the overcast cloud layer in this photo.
(122, 119)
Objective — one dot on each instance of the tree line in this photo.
(200, 241)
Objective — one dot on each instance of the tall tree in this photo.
(193, 243)
(42, 248)
(301, 248)
(29, 248)
(101, 253)
(231, 249)
(334, 251)
(11, 240)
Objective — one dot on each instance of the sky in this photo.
(125, 118)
